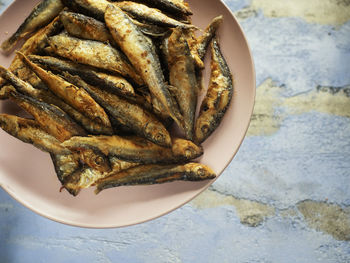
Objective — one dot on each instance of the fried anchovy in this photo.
(93, 53)
(156, 174)
(33, 44)
(172, 6)
(76, 97)
(84, 177)
(218, 97)
(72, 172)
(85, 27)
(151, 15)
(51, 118)
(41, 15)
(94, 8)
(136, 149)
(204, 40)
(141, 53)
(29, 131)
(65, 165)
(48, 97)
(133, 116)
(150, 29)
(115, 83)
(182, 75)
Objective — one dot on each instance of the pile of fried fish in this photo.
(105, 82)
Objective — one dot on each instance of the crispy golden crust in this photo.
(182, 75)
(76, 97)
(136, 149)
(218, 96)
(29, 131)
(93, 53)
(156, 174)
(41, 15)
(131, 115)
(141, 52)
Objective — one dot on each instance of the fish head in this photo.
(158, 133)
(204, 125)
(186, 149)
(95, 160)
(199, 171)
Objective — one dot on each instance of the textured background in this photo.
(284, 198)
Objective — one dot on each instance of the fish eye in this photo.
(99, 160)
(121, 85)
(205, 128)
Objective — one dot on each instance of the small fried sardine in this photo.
(182, 75)
(47, 96)
(76, 97)
(65, 165)
(218, 97)
(29, 131)
(172, 6)
(94, 8)
(204, 40)
(114, 83)
(93, 53)
(151, 15)
(85, 27)
(51, 118)
(133, 116)
(136, 149)
(142, 54)
(156, 174)
(32, 45)
(84, 177)
(150, 29)
(41, 15)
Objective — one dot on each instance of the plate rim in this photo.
(70, 222)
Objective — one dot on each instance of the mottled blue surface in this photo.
(307, 158)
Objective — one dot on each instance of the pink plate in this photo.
(27, 174)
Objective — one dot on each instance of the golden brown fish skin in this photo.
(218, 96)
(120, 165)
(94, 8)
(41, 15)
(182, 75)
(114, 83)
(192, 42)
(51, 118)
(171, 6)
(142, 55)
(20, 85)
(136, 149)
(76, 97)
(151, 15)
(65, 165)
(156, 174)
(93, 53)
(29, 131)
(48, 97)
(87, 176)
(204, 40)
(32, 45)
(133, 116)
(85, 27)
(150, 29)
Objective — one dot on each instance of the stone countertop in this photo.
(284, 198)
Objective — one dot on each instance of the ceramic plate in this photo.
(27, 174)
